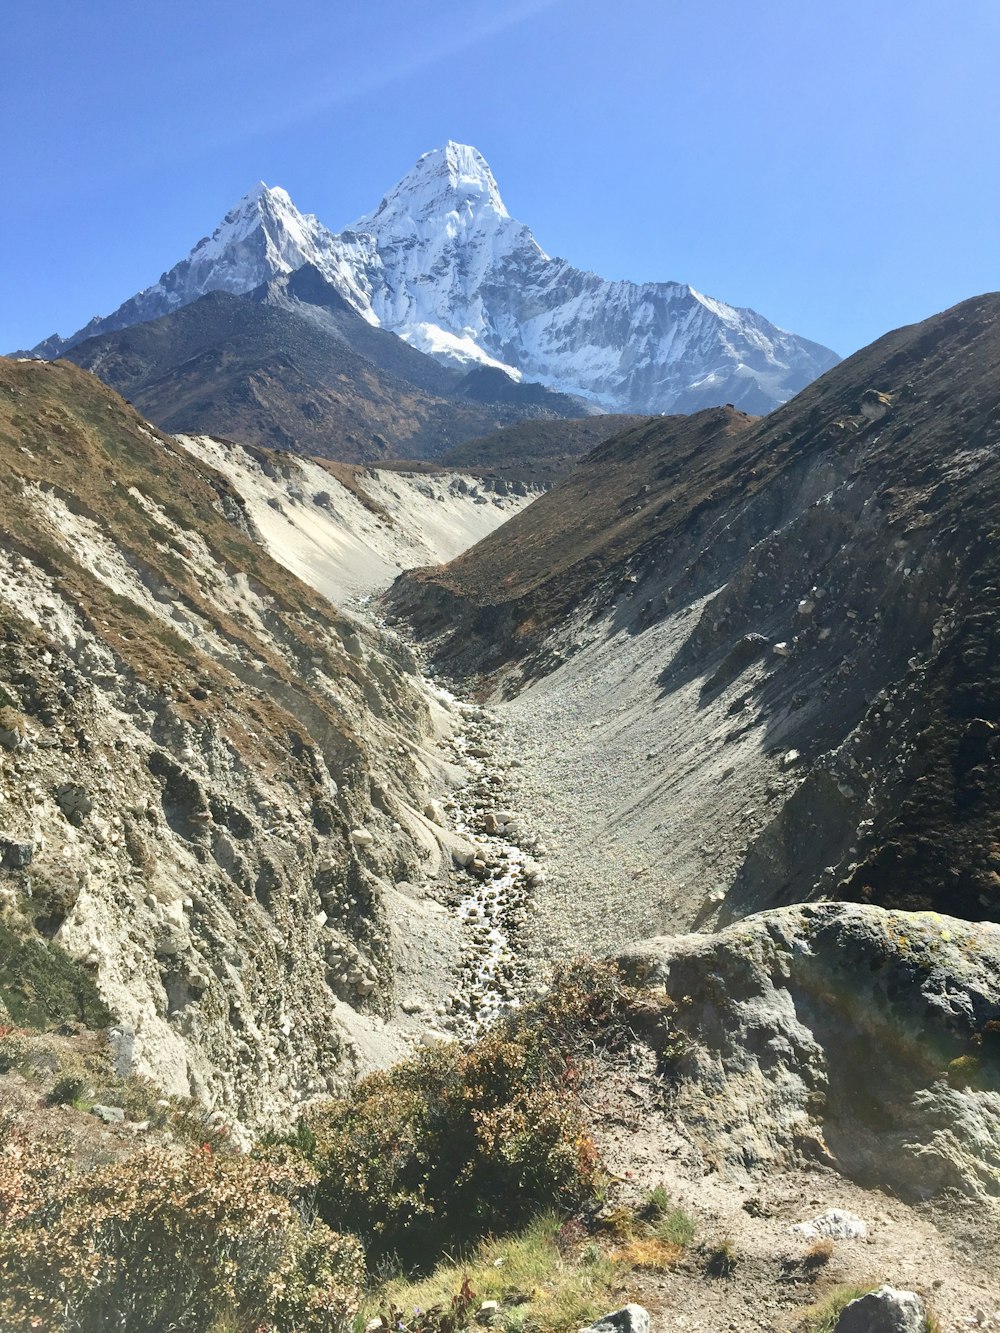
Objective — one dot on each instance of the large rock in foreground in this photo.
(867, 1038)
(884, 1311)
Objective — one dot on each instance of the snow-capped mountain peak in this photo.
(438, 235)
(442, 263)
(455, 179)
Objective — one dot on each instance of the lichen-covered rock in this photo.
(834, 1224)
(862, 1037)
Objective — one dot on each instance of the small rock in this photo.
(434, 812)
(884, 1311)
(16, 855)
(412, 1005)
(75, 802)
(361, 837)
(488, 1311)
(630, 1319)
(110, 1115)
(835, 1223)
(783, 649)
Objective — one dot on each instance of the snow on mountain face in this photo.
(441, 235)
(442, 263)
(453, 264)
(263, 237)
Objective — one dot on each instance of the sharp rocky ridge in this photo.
(443, 264)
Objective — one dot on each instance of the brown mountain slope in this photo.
(542, 451)
(830, 575)
(496, 602)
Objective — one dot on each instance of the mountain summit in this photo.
(442, 263)
(453, 179)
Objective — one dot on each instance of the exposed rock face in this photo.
(863, 1038)
(348, 530)
(198, 733)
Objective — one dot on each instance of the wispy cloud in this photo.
(466, 30)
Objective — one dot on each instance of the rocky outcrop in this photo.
(630, 1318)
(884, 1311)
(865, 1039)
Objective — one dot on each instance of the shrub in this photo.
(68, 1091)
(41, 986)
(542, 1277)
(657, 1202)
(721, 1259)
(819, 1253)
(455, 1143)
(676, 1227)
(167, 1241)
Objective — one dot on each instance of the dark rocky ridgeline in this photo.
(203, 764)
(847, 548)
(291, 365)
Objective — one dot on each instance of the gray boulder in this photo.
(74, 801)
(834, 1224)
(884, 1311)
(840, 1033)
(111, 1115)
(16, 855)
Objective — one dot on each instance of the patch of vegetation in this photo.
(819, 1253)
(721, 1259)
(70, 1090)
(675, 1227)
(667, 1223)
(543, 1277)
(41, 986)
(438, 1152)
(822, 1317)
(165, 1241)
(973, 1071)
(455, 1143)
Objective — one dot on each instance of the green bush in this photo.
(71, 1090)
(41, 986)
(456, 1142)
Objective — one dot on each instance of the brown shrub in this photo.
(167, 1241)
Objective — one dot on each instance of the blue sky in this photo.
(834, 165)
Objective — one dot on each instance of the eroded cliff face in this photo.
(209, 776)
